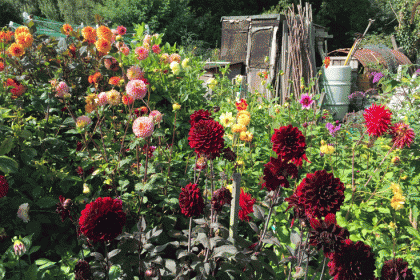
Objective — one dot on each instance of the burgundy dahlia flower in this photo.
(82, 270)
(220, 197)
(402, 135)
(199, 115)
(206, 137)
(276, 172)
(4, 186)
(319, 194)
(102, 220)
(247, 205)
(327, 235)
(377, 119)
(228, 154)
(354, 261)
(396, 269)
(289, 143)
(191, 201)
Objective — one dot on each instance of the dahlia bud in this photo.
(118, 38)
(19, 247)
(150, 273)
(395, 160)
(176, 106)
(86, 188)
(67, 203)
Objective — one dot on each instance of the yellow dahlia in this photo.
(244, 119)
(16, 50)
(397, 201)
(238, 128)
(104, 33)
(327, 149)
(246, 136)
(113, 97)
(226, 119)
(21, 29)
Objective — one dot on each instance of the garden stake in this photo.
(356, 42)
(189, 236)
(234, 208)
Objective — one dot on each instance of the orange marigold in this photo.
(67, 29)
(16, 50)
(94, 79)
(103, 46)
(22, 29)
(89, 34)
(104, 33)
(24, 39)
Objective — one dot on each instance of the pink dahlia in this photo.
(156, 49)
(156, 116)
(102, 220)
(135, 73)
(4, 186)
(191, 201)
(143, 127)
(377, 119)
(306, 101)
(62, 90)
(102, 99)
(136, 89)
(121, 30)
(142, 53)
(402, 135)
(206, 137)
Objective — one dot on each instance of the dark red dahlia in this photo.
(200, 115)
(276, 172)
(79, 171)
(396, 269)
(298, 209)
(402, 135)
(327, 235)
(82, 270)
(64, 208)
(191, 201)
(247, 205)
(377, 119)
(220, 197)
(206, 137)
(4, 186)
(79, 146)
(289, 143)
(320, 194)
(354, 261)
(228, 154)
(102, 220)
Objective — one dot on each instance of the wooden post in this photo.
(234, 207)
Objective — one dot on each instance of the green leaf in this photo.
(31, 273)
(8, 165)
(34, 249)
(114, 272)
(6, 146)
(47, 202)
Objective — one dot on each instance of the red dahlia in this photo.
(4, 186)
(191, 201)
(228, 154)
(402, 135)
(247, 205)
(327, 235)
(298, 209)
(289, 143)
(220, 197)
(320, 194)
(276, 172)
(378, 119)
(102, 220)
(82, 270)
(354, 261)
(396, 269)
(206, 137)
(199, 115)
(64, 207)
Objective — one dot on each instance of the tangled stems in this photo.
(272, 204)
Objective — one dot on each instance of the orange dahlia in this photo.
(67, 29)
(103, 46)
(89, 34)
(6, 36)
(114, 81)
(104, 33)
(94, 79)
(16, 50)
(24, 39)
(1, 66)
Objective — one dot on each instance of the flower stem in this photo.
(147, 159)
(189, 235)
(107, 261)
